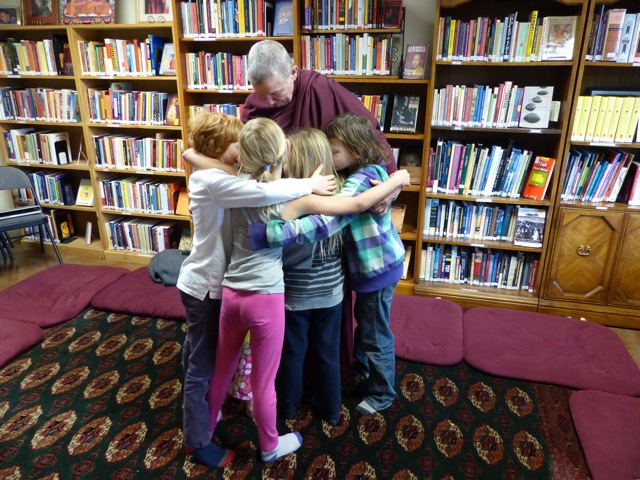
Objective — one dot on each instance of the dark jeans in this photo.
(198, 359)
(318, 332)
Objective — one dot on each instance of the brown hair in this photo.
(359, 137)
(212, 132)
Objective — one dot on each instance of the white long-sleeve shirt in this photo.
(211, 192)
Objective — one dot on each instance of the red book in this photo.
(539, 178)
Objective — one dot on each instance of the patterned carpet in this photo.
(100, 397)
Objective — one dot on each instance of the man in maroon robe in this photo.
(296, 98)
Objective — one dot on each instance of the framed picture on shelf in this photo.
(10, 12)
(392, 14)
(82, 12)
(154, 11)
(560, 37)
(40, 12)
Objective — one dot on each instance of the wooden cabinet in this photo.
(625, 284)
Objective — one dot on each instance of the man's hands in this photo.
(322, 184)
(402, 178)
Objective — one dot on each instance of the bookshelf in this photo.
(477, 261)
(594, 260)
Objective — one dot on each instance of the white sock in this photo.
(286, 444)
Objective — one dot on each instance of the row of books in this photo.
(141, 195)
(129, 107)
(217, 71)
(606, 119)
(61, 225)
(39, 104)
(595, 176)
(113, 57)
(26, 145)
(53, 187)
(227, 18)
(349, 14)
(487, 39)
(475, 169)
(50, 56)
(504, 106)
(142, 235)
(487, 268)
(139, 153)
(614, 36)
(228, 108)
(347, 54)
(402, 117)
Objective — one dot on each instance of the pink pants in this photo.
(263, 315)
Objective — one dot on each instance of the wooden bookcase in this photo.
(547, 142)
(594, 265)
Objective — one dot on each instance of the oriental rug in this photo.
(100, 398)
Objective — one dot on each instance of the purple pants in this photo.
(263, 316)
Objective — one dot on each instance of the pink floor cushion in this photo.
(546, 348)
(427, 330)
(56, 294)
(137, 294)
(16, 337)
(608, 426)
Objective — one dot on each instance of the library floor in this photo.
(27, 263)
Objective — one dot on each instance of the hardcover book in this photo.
(415, 61)
(283, 18)
(168, 61)
(539, 178)
(560, 38)
(405, 113)
(85, 193)
(536, 107)
(172, 115)
(529, 227)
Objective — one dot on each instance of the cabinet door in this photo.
(625, 287)
(583, 254)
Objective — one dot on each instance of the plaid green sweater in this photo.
(372, 247)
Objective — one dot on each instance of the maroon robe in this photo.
(317, 99)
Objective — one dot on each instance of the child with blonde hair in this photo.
(373, 250)
(253, 286)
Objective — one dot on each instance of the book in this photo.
(415, 59)
(407, 260)
(411, 160)
(63, 223)
(539, 177)
(283, 18)
(84, 12)
(168, 60)
(392, 14)
(85, 193)
(182, 204)
(560, 38)
(536, 107)
(529, 226)
(626, 38)
(613, 33)
(59, 148)
(404, 116)
(172, 114)
(156, 49)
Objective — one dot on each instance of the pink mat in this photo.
(16, 337)
(137, 294)
(608, 426)
(427, 330)
(56, 294)
(546, 348)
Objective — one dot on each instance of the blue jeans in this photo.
(374, 349)
(318, 332)
(198, 360)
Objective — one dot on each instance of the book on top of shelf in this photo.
(529, 226)
(404, 117)
(392, 14)
(415, 59)
(539, 178)
(172, 115)
(121, 86)
(536, 107)
(283, 18)
(560, 38)
(85, 193)
(168, 61)
(83, 12)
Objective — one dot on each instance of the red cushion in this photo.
(608, 426)
(427, 330)
(56, 294)
(16, 337)
(546, 348)
(137, 294)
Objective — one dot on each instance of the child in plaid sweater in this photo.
(373, 250)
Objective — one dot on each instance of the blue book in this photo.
(283, 18)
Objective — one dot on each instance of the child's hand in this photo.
(400, 176)
(322, 184)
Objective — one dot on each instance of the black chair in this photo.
(22, 217)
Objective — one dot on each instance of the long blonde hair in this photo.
(309, 148)
(263, 145)
(359, 137)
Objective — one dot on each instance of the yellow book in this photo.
(584, 118)
(452, 34)
(633, 121)
(241, 15)
(576, 118)
(593, 116)
(624, 119)
(604, 104)
(533, 21)
(611, 122)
